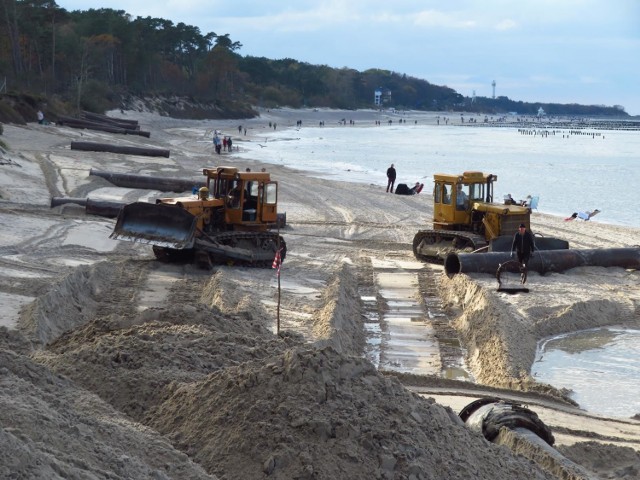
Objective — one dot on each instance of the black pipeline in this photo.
(124, 149)
(164, 184)
(544, 261)
(508, 423)
(102, 208)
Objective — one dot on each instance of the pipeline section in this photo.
(520, 429)
(544, 261)
(164, 184)
(102, 208)
(124, 149)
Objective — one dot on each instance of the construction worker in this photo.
(524, 245)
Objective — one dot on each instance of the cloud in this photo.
(435, 18)
(506, 24)
(590, 80)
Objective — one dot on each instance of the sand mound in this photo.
(53, 429)
(501, 346)
(71, 303)
(598, 458)
(338, 322)
(134, 368)
(224, 389)
(319, 414)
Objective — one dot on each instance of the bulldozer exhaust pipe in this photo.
(544, 261)
(164, 184)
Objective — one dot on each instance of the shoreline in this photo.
(372, 171)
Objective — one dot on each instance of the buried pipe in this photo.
(520, 429)
(127, 180)
(488, 415)
(544, 261)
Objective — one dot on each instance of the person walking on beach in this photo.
(524, 245)
(391, 178)
(217, 143)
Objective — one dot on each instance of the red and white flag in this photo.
(277, 262)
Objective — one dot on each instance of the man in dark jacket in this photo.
(523, 244)
(391, 178)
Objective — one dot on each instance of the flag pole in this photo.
(279, 257)
(278, 310)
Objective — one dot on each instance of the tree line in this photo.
(93, 59)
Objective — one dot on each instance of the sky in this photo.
(548, 51)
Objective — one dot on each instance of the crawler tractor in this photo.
(230, 220)
(466, 219)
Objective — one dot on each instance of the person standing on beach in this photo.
(391, 178)
(524, 245)
(217, 143)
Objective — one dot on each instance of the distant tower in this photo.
(493, 84)
(473, 97)
(377, 97)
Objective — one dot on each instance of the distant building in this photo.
(541, 112)
(381, 96)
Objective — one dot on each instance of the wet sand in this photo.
(170, 360)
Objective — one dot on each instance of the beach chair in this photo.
(534, 202)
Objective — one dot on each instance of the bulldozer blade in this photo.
(155, 224)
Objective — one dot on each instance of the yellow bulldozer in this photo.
(466, 219)
(229, 220)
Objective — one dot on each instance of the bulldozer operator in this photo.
(233, 197)
(203, 193)
(462, 199)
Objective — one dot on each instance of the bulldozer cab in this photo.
(454, 198)
(250, 198)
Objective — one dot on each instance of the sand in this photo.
(118, 366)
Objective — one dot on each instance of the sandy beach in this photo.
(115, 365)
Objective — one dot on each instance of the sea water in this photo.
(601, 368)
(569, 172)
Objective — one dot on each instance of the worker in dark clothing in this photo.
(391, 178)
(523, 244)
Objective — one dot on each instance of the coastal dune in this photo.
(168, 371)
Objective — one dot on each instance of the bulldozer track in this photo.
(208, 252)
(263, 241)
(451, 241)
